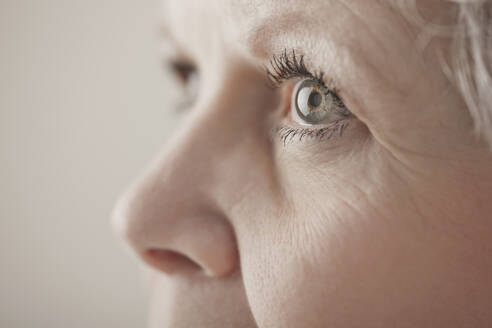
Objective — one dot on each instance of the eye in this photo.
(315, 110)
(314, 104)
(188, 79)
(183, 71)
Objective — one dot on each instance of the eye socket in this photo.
(316, 109)
(313, 104)
(189, 80)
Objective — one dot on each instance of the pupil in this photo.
(315, 99)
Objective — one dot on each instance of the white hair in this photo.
(472, 62)
(469, 63)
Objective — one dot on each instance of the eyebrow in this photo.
(164, 32)
(259, 39)
(171, 47)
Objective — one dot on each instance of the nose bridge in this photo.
(176, 208)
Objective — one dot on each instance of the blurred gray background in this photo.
(82, 110)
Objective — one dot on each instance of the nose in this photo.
(169, 219)
(178, 215)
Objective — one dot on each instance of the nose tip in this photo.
(191, 244)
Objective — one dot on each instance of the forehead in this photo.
(266, 26)
(348, 39)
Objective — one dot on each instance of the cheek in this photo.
(318, 267)
(351, 250)
(303, 262)
(301, 271)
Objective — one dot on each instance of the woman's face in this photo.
(359, 198)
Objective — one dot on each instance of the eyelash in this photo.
(288, 133)
(287, 66)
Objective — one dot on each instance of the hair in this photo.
(472, 62)
(469, 61)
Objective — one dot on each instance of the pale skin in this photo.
(386, 225)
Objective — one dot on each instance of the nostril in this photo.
(170, 262)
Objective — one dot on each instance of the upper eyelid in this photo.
(289, 64)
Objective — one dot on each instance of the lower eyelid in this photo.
(289, 133)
